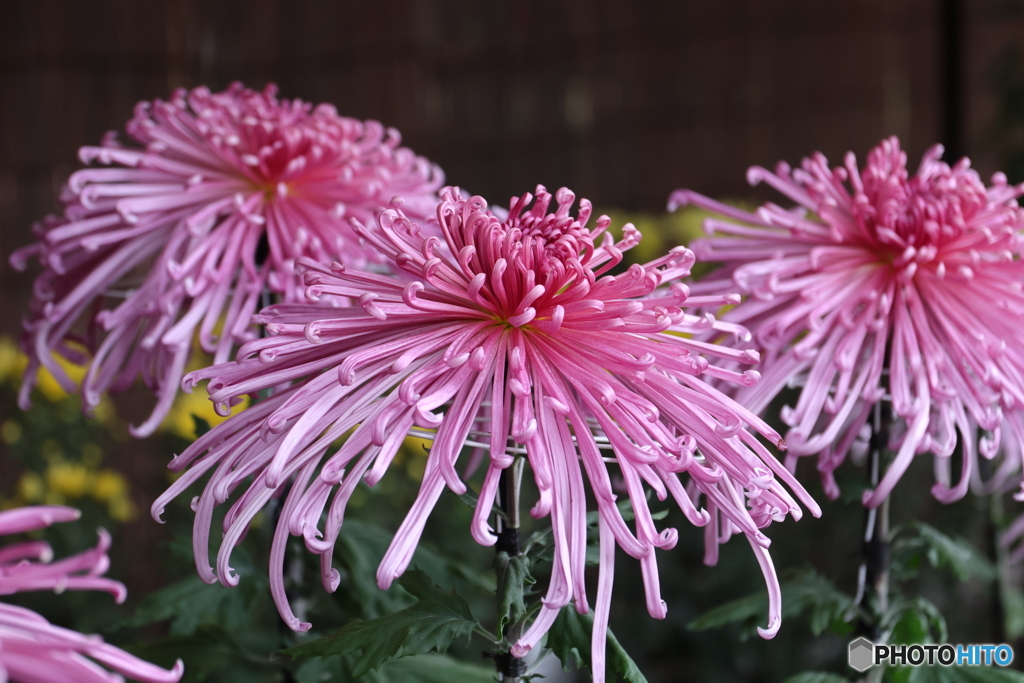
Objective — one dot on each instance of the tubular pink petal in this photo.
(215, 208)
(880, 285)
(507, 336)
(33, 649)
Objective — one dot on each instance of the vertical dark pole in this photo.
(873, 574)
(951, 43)
(510, 669)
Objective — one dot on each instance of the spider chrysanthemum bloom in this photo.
(32, 650)
(185, 232)
(881, 285)
(506, 332)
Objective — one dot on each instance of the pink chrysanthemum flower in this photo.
(187, 231)
(507, 333)
(881, 285)
(32, 650)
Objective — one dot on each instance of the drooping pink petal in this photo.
(32, 650)
(513, 320)
(181, 236)
(881, 285)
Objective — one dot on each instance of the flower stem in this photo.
(510, 669)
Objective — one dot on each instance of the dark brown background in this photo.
(623, 101)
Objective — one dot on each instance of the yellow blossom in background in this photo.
(180, 420)
(48, 384)
(91, 455)
(69, 479)
(10, 432)
(31, 487)
(13, 363)
(108, 485)
(111, 488)
(65, 481)
(121, 510)
(662, 231)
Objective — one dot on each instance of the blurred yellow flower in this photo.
(180, 420)
(10, 432)
(121, 509)
(92, 455)
(31, 487)
(69, 479)
(108, 485)
(48, 384)
(662, 231)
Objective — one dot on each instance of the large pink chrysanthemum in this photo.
(187, 232)
(882, 285)
(512, 336)
(32, 650)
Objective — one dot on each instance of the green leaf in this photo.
(569, 639)
(191, 604)
(816, 677)
(941, 551)
(211, 656)
(431, 669)
(512, 573)
(417, 669)
(201, 426)
(806, 591)
(745, 609)
(917, 620)
(437, 618)
(964, 674)
(360, 548)
(1013, 604)
(469, 499)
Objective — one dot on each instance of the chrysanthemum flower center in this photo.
(268, 140)
(926, 221)
(523, 266)
(913, 220)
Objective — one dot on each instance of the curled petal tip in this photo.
(774, 624)
(299, 626)
(677, 199)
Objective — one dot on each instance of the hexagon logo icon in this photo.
(862, 654)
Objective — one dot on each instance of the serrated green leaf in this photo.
(540, 545)
(964, 674)
(431, 669)
(569, 639)
(917, 620)
(361, 546)
(512, 573)
(1013, 604)
(416, 669)
(941, 551)
(805, 592)
(816, 677)
(211, 656)
(190, 604)
(429, 626)
(754, 606)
